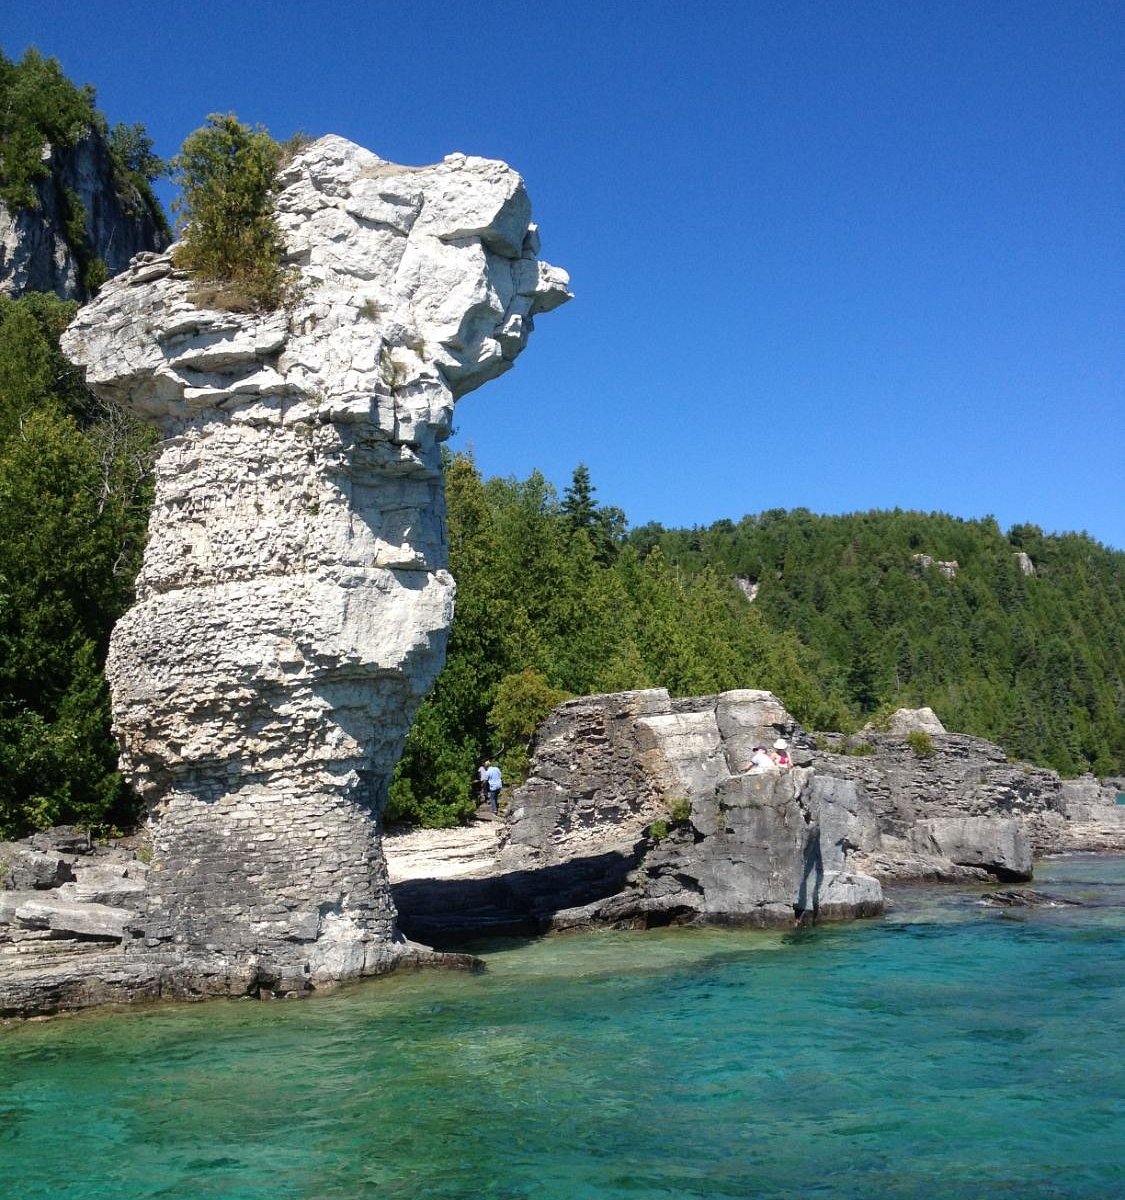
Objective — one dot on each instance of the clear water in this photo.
(947, 1051)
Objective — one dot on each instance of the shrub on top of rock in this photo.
(921, 743)
(230, 236)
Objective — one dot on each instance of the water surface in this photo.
(946, 1051)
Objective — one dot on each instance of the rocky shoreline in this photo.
(639, 810)
(631, 817)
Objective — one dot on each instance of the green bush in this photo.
(523, 699)
(921, 743)
(227, 174)
(680, 810)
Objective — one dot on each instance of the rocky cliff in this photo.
(644, 809)
(39, 249)
(293, 605)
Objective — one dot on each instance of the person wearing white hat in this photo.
(781, 754)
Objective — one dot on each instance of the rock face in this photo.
(642, 809)
(914, 720)
(964, 810)
(35, 255)
(293, 605)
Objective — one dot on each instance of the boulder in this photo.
(73, 917)
(638, 810)
(21, 867)
(914, 720)
(998, 844)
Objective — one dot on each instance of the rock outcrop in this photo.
(962, 809)
(293, 605)
(37, 254)
(643, 809)
(912, 720)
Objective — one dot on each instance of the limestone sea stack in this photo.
(293, 605)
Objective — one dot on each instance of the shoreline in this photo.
(101, 982)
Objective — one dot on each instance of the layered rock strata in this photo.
(962, 809)
(641, 809)
(644, 809)
(36, 250)
(293, 605)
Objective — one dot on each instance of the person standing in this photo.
(482, 784)
(495, 783)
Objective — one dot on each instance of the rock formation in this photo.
(911, 720)
(640, 808)
(293, 605)
(36, 252)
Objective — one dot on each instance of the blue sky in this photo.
(833, 255)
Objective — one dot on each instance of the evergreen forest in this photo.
(845, 618)
(846, 624)
(39, 106)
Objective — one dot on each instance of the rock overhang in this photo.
(293, 605)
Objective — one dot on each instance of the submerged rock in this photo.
(1027, 898)
(293, 605)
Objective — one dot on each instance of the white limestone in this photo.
(293, 605)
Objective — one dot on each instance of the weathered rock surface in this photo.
(922, 803)
(914, 720)
(1027, 898)
(641, 809)
(35, 255)
(997, 844)
(293, 605)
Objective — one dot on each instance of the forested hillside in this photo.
(97, 207)
(552, 601)
(847, 623)
(1034, 661)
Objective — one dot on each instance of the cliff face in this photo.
(734, 844)
(293, 605)
(36, 254)
(641, 809)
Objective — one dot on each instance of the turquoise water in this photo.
(947, 1051)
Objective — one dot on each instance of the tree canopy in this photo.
(1033, 661)
(73, 510)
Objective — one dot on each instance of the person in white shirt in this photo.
(760, 761)
(495, 783)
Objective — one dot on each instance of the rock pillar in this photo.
(293, 605)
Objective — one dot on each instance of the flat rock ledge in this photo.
(68, 909)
